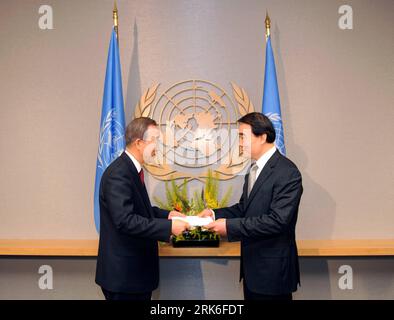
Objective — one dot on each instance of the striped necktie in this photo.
(252, 177)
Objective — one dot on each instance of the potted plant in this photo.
(177, 199)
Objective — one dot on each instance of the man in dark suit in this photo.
(265, 218)
(128, 261)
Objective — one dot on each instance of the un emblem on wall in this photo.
(198, 123)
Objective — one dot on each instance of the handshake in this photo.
(180, 225)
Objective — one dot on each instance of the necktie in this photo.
(141, 174)
(252, 177)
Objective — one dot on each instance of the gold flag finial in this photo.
(115, 17)
(267, 26)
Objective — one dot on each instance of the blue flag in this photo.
(271, 102)
(112, 125)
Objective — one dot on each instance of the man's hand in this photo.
(218, 226)
(175, 214)
(178, 227)
(206, 213)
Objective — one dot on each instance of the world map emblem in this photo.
(111, 143)
(198, 124)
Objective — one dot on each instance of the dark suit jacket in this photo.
(265, 224)
(130, 227)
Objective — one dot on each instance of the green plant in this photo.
(198, 233)
(176, 196)
(211, 192)
(177, 199)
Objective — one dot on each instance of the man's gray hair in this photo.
(137, 128)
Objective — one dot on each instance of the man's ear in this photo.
(138, 144)
(263, 138)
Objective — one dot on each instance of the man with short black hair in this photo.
(265, 218)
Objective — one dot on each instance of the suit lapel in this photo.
(264, 174)
(146, 195)
(143, 193)
(245, 191)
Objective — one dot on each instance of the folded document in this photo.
(195, 221)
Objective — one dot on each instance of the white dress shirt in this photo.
(262, 161)
(135, 161)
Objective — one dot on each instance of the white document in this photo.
(195, 221)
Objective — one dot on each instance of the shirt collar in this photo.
(261, 162)
(135, 161)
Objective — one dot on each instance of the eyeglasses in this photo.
(150, 140)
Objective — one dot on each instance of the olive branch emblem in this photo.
(234, 163)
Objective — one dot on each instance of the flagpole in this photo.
(267, 26)
(115, 18)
